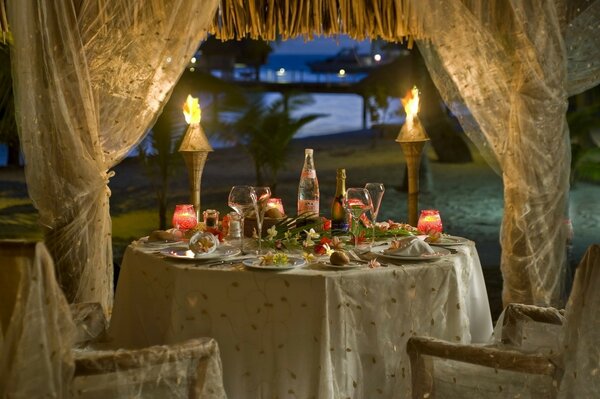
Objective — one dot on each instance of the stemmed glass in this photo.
(262, 197)
(376, 191)
(242, 199)
(357, 202)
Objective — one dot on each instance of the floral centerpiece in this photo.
(314, 238)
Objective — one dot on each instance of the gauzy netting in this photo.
(505, 69)
(90, 78)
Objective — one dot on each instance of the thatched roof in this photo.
(392, 20)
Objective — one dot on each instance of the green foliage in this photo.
(585, 153)
(265, 131)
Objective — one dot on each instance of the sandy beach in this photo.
(469, 196)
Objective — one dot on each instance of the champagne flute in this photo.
(242, 199)
(262, 197)
(376, 191)
(357, 202)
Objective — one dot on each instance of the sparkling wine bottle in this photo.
(339, 222)
(308, 189)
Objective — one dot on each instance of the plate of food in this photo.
(446, 241)
(185, 253)
(277, 261)
(341, 260)
(347, 266)
(410, 248)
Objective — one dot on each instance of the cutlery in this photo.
(229, 261)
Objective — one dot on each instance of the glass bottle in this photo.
(339, 222)
(308, 189)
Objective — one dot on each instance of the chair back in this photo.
(581, 339)
(36, 329)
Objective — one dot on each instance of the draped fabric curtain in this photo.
(90, 77)
(505, 69)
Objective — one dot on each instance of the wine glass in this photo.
(376, 191)
(357, 202)
(242, 199)
(262, 197)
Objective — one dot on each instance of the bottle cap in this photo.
(341, 173)
(308, 151)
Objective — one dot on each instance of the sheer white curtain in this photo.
(506, 68)
(90, 78)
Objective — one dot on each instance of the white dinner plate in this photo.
(439, 253)
(159, 243)
(351, 265)
(185, 253)
(447, 241)
(292, 264)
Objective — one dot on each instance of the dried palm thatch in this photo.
(392, 20)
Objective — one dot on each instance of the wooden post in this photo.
(413, 151)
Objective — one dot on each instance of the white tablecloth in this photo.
(304, 333)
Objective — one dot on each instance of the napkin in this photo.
(409, 246)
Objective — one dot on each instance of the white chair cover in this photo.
(35, 356)
(582, 331)
(572, 372)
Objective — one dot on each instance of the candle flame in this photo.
(191, 110)
(410, 102)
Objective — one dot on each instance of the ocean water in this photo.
(342, 112)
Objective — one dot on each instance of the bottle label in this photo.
(339, 226)
(309, 174)
(308, 206)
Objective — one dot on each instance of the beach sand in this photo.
(469, 196)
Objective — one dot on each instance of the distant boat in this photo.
(350, 61)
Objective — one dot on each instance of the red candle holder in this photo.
(430, 221)
(184, 217)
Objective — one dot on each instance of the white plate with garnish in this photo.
(185, 253)
(447, 241)
(292, 263)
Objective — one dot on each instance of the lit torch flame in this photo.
(410, 102)
(191, 110)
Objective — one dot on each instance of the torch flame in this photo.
(410, 102)
(191, 110)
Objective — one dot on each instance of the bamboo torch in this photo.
(194, 149)
(412, 139)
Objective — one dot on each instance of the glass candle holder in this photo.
(184, 217)
(430, 221)
(275, 203)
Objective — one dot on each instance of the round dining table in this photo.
(307, 332)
